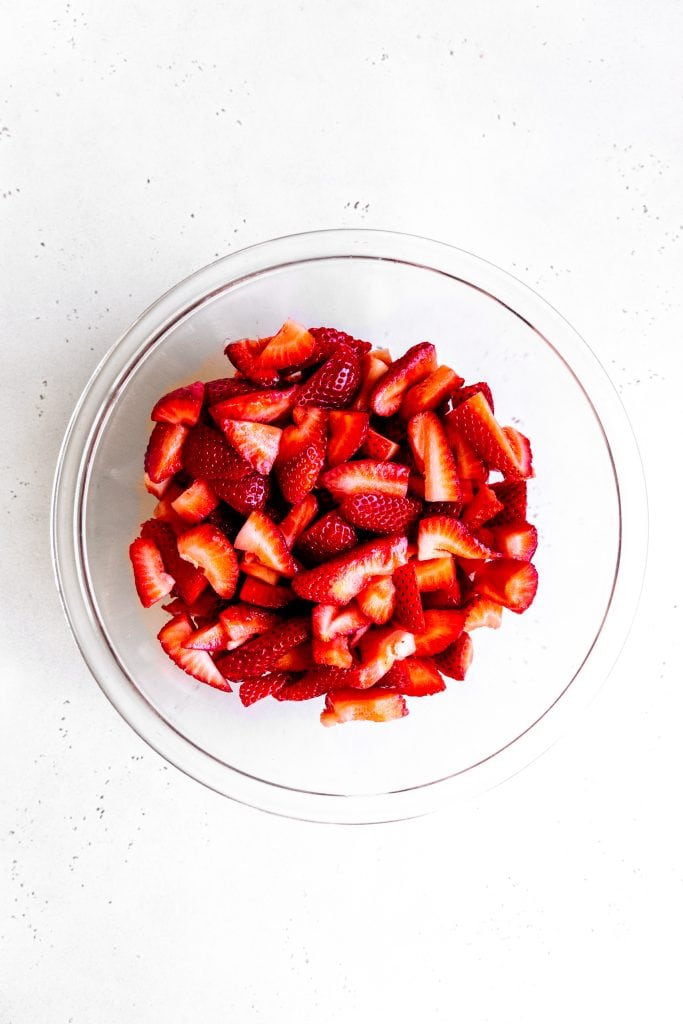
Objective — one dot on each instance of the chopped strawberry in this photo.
(457, 658)
(265, 594)
(328, 339)
(204, 609)
(482, 611)
(242, 621)
(444, 597)
(512, 494)
(251, 566)
(380, 648)
(165, 511)
(180, 406)
(163, 457)
(340, 579)
(522, 450)
(476, 423)
(208, 455)
(417, 363)
(245, 495)
(196, 663)
(439, 535)
(382, 353)
(348, 430)
(376, 446)
(483, 506)
(334, 652)
(435, 573)
(257, 443)
(207, 548)
(443, 626)
(314, 683)
(244, 355)
(302, 453)
(196, 502)
(416, 485)
(349, 705)
(216, 391)
(470, 466)
(377, 598)
(335, 384)
(508, 582)
(262, 653)
(408, 606)
(414, 677)
(380, 513)
(516, 540)
(189, 581)
(264, 539)
(252, 690)
(371, 369)
(152, 582)
(440, 468)
(462, 394)
(431, 392)
(331, 535)
(330, 621)
(211, 637)
(299, 659)
(159, 489)
(257, 406)
(365, 476)
(297, 519)
(292, 345)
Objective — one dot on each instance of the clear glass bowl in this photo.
(528, 678)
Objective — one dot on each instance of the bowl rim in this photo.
(89, 419)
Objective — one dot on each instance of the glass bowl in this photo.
(528, 679)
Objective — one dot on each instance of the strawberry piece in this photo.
(211, 637)
(376, 600)
(216, 391)
(414, 677)
(244, 355)
(482, 611)
(328, 339)
(196, 663)
(256, 406)
(483, 506)
(189, 581)
(435, 574)
(251, 566)
(508, 582)
(175, 607)
(347, 705)
(382, 353)
(152, 582)
(457, 658)
(314, 683)
(180, 406)
(257, 443)
(163, 457)
(207, 548)
(340, 579)
(376, 446)
(470, 466)
(380, 648)
(446, 597)
(245, 495)
(297, 519)
(329, 621)
(433, 456)
(348, 430)
(158, 490)
(264, 539)
(408, 606)
(262, 653)
(380, 513)
(521, 448)
(299, 659)
(371, 369)
(302, 453)
(364, 476)
(439, 535)
(442, 628)
(462, 394)
(206, 454)
(512, 494)
(204, 609)
(196, 502)
(334, 652)
(242, 621)
(265, 594)
(476, 423)
(292, 345)
(516, 540)
(335, 384)
(431, 392)
(416, 486)
(164, 510)
(412, 367)
(331, 535)
(252, 690)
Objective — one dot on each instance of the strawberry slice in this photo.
(348, 430)
(414, 677)
(508, 582)
(264, 539)
(376, 446)
(158, 490)
(521, 448)
(408, 606)
(439, 535)
(431, 392)
(265, 595)
(516, 540)
(257, 443)
(314, 683)
(189, 581)
(331, 535)
(302, 453)
(242, 621)
(371, 369)
(244, 355)
(340, 579)
(205, 608)
(442, 628)
(180, 406)
(216, 391)
(245, 495)
(476, 423)
(366, 476)
(330, 621)
(164, 510)
(470, 466)
(206, 454)
(444, 597)
(412, 367)
(299, 659)
(329, 338)
(435, 574)
(380, 648)
(348, 705)
(252, 690)
(196, 663)
(152, 582)
(462, 394)
(457, 658)
(482, 611)
(380, 513)
(376, 600)
(334, 652)
(512, 494)
(433, 456)
(196, 502)
(207, 548)
(483, 506)
(262, 653)
(211, 637)
(257, 406)
(163, 457)
(251, 566)
(292, 345)
(335, 384)
(297, 519)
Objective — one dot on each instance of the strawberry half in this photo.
(435, 574)
(408, 606)
(431, 392)
(335, 384)
(442, 628)
(196, 502)
(508, 582)
(292, 345)
(516, 540)
(412, 367)
(152, 582)
(196, 663)
(180, 406)
(190, 582)
(242, 621)
(244, 355)
(482, 612)
(380, 513)
(265, 595)
(348, 430)
(414, 677)
(347, 705)
(512, 494)
(264, 539)
(257, 406)
(366, 476)
(457, 658)
(297, 519)
(371, 369)
(207, 548)
(206, 454)
(163, 457)
(377, 446)
(477, 424)
(252, 690)
(249, 493)
(257, 443)
(377, 599)
(439, 535)
(483, 506)
(330, 536)
(340, 579)
(211, 637)
(302, 453)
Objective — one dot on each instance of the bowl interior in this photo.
(518, 672)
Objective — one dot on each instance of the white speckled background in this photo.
(138, 142)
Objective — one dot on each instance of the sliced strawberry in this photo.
(196, 663)
(264, 539)
(348, 430)
(442, 627)
(251, 566)
(297, 519)
(302, 453)
(158, 490)
(152, 582)
(476, 423)
(380, 513)
(163, 457)
(330, 621)
(364, 476)
(371, 369)
(257, 406)
(206, 454)
(204, 609)
(207, 548)
(434, 457)
(244, 355)
(262, 653)
(189, 581)
(349, 705)
(196, 502)
(180, 406)
(175, 607)
(216, 391)
(211, 637)
(376, 446)
(483, 506)
(252, 690)
(522, 450)
(334, 652)
(431, 392)
(265, 594)
(257, 443)
(377, 598)
(444, 597)
(314, 683)
(512, 494)
(340, 579)
(408, 606)
(299, 659)
(380, 648)
(412, 367)
(292, 345)
(382, 353)
(414, 677)
(462, 394)
(328, 339)
(242, 621)
(508, 582)
(470, 466)
(416, 485)
(439, 535)
(164, 510)
(457, 658)
(482, 611)
(516, 540)
(245, 495)
(331, 535)
(335, 384)
(435, 573)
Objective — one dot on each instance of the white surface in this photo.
(135, 146)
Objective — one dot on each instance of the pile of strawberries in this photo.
(326, 523)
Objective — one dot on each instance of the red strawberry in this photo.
(180, 406)
(314, 683)
(340, 579)
(299, 659)
(380, 513)
(408, 607)
(470, 466)
(292, 345)
(208, 455)
(483, 506)
(349, 705)
(508, 582)
(446, 597)
(302, 453)
(457, 658)
(364, 476)
(476, 423)
(416, 486)
(335, 384)
(330, 621)
(262, 653)
(242, 621)
(380, 648)
(516, 540)
(244, 355)
(211, 637)
(414, 677)
(435, 573)
(334, 652)
(206, 607)
(264, 539)
(251, 566)
(297, 519)
(328, 339)
(433, 456)
(442, 628)
(439, 535)
(264, 594)
(376, 446)
(163, 457)
(522, 450)
(512, 493)
(151, 581)
(196, 502)
(216, 391)
(189, 581)
(482, 611)
(331, 535)
(196, 663)
(158, 490)
(207, 548)
(252, 690)
(417, 363)
(257, 443)
(376, 600)
(348, 430)
(257, 406)
(164, 510)
(462, 394)
(431, 392)
(247, 494)
(371, 369)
